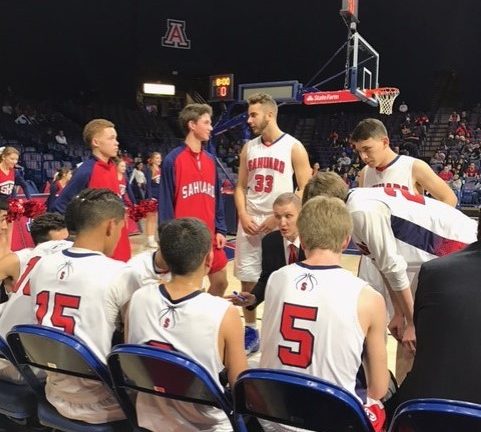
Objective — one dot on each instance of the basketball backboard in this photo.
(363, 68)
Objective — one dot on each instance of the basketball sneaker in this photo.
(251, 340)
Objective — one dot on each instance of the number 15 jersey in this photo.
(311, 323)
(269, 172)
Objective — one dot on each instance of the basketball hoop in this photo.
(385, 96)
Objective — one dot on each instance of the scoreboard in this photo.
(221, 87)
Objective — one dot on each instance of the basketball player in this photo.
(83, 292)
(267, 164)
(321, 320)
(384, 168)
(97, 172)
(48, 233)
(44, 228)
(179, 316)
(398, 231)
(150, 267)
(189, 187)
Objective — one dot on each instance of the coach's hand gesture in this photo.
(244, 298)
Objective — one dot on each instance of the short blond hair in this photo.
(93, 127)
(263, 99)
(8, 150)
(324, 223)
(192, 112)
(325, 183)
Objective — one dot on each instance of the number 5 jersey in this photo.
(311, 323)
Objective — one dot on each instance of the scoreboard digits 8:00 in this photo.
(221, 87)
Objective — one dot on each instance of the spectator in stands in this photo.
(138, 181)
(61, 138)
(462, 130)
(471, 171)
(454, 119)
(456, 183)
(315, 168)
(7, 108)
(344, 160)
(403, 107)
(476, 193)
(59, 181)
(447, 360)
(446, 173)
(437, 161)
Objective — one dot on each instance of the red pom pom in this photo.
(15, 209)
(34, 208)
(136, 212)
(148, 205)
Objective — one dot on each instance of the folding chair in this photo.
(53, 350)
(169, 374)
(298, 400)
(17, 401)
(439, 415)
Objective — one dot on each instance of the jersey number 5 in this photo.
(263, 183)
(60, 302)
(302, 357)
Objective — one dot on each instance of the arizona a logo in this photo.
(175, 36)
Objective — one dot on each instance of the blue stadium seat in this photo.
(439, 415)
(298, 400)
(167, 374)
(53, 350)
(17, 401)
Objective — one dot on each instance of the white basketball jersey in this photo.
(18, 309)
(82, 292)
(189, 325)
(398, 174)
(145, 269)
(399, 230)
(311, 323)
(269, 172)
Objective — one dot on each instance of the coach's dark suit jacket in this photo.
(273, 258)
(447, 318)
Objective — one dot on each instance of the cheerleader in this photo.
(152, 175)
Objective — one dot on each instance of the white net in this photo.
(385, 97)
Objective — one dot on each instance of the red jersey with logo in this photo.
(189, 187)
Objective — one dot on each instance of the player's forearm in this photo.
(240, 200)
(405, 302)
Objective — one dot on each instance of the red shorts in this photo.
(377, 416)
(219, 261)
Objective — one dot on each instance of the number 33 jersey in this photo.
(269, 172)
(311, 323)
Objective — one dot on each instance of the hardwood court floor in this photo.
(350, 262)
